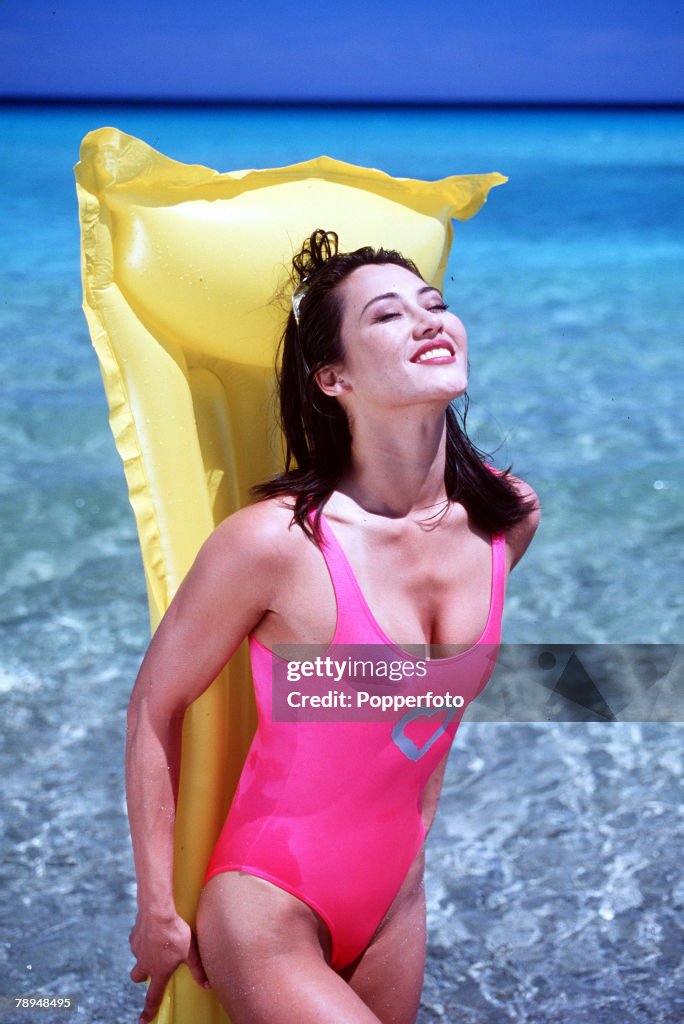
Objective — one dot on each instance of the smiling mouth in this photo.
(436, 352)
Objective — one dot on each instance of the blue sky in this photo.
(624, 50)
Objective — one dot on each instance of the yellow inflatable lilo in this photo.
(186, 289)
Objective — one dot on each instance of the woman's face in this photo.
(401, 344)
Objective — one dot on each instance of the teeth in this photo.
(432, 353)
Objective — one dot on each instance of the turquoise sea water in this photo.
(559, 844)
(569, 282)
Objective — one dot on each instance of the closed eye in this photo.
(437, 307)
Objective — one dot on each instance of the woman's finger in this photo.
(138, 974)
(153, 1000)
(194, 963)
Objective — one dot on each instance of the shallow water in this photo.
(554, 886)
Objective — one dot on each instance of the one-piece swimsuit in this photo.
(330, 811)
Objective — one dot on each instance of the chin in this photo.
(454, 388)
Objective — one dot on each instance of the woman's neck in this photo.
(397, 462)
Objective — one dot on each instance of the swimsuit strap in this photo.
(492, 633)
(355, 621)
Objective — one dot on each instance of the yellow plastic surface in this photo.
(185, 278)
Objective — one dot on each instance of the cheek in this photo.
(364, 361)
(459, 331)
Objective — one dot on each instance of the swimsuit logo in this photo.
(418, 727)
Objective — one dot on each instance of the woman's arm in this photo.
(431, 794)
(224, 595)
(519, 537)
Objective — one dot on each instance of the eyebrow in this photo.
(395, 295)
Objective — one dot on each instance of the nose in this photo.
(428, 322)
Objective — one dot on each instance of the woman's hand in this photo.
(159, 946)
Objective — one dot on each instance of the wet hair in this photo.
(314, 425)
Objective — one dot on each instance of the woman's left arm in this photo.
(431, 794)
(519, 537)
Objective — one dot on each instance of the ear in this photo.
(331, 382)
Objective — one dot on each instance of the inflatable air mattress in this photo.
(186, 290)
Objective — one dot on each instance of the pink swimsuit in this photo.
(331, 811)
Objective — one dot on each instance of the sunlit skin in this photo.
(260, 946)
(389, 317)
(395, 398)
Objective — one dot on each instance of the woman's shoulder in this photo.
(263, 530)
(519, 537)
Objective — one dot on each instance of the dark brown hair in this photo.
(314, 425)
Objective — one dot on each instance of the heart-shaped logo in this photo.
(418, 727)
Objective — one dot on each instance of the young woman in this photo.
(386, 527)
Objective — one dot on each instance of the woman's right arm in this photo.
(223, 597)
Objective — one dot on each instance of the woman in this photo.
(386, 524)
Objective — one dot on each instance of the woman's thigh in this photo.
(265, 953)
(388, 976)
